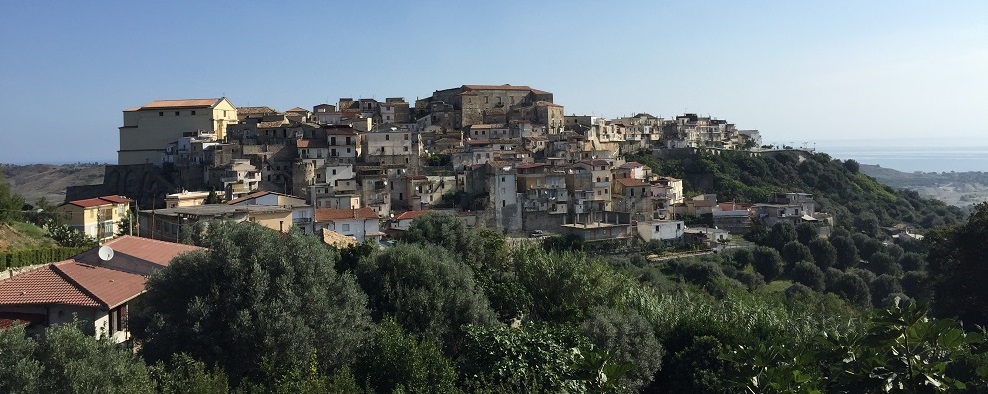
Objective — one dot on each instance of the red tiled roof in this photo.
(90, 202)
(330, 214)
(110, 287)
(259, 193)
(412, 214)
(99, 201)
(43, 286)
(116, 199)
(150, 250)
(527, 166)
(9, 319)
(297, 109)
(317, 143)
(187, 103)
(628, 182)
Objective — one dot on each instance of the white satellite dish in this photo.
(105, 253)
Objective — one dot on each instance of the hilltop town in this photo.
(503, 157)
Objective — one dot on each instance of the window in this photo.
(406, 137)
(334, 172)
(176, 113)
(161, 113)
(346, 227)
(406, 149)
(387, 137)
(192, 113)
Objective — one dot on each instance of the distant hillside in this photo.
(839, 188)
(962, 189)
(47, 180)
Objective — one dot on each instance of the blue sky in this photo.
(906, 72)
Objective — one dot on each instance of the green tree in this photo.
(537, 358)
(881, 263)
(20, 372)
(794, 252)
(75, 362)
(808, 274)
(957, 268)
(847, 252)
(254, 295)
(398, 362)
(630, 339)
(10, 204)
(883, 286)
(445, 230)
(780, 234)
(212, 198)
(806, 232)
(186, 375)
(427, 290)
(70, 237)
(853, 289)
(824, 253)
(566, 286)
(768, 262)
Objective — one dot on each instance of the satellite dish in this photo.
(105, 253)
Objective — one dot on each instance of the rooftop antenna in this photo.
(105, 253)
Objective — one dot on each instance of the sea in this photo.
(911, 158)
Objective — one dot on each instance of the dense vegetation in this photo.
(450, 309)
(854, 199)
(265, 312)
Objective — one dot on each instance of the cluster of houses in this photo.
(498, 156)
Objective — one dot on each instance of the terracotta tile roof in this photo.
(316, 143)
(297, 109)
(186, 103)
(150, 250)
(9, 319)
(628, 182)
(43, 286)
(632, 164)
(330, 214)
(255, 110)
(527, 166)
(116, 199)
(90, 202)
(259, 193)
(110, 287)
(411, 214)
(271, 124)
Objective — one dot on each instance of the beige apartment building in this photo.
(98, 217)
(149, 129)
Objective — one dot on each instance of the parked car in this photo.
(537, 234)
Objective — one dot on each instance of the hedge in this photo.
(29, 257)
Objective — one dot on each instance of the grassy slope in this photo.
(22, 235)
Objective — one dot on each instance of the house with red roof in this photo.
(94, 291)
(361, 223)
(98, 217)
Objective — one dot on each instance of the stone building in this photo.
(147, 130)
(466, 105)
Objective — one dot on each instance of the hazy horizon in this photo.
(876, 71)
